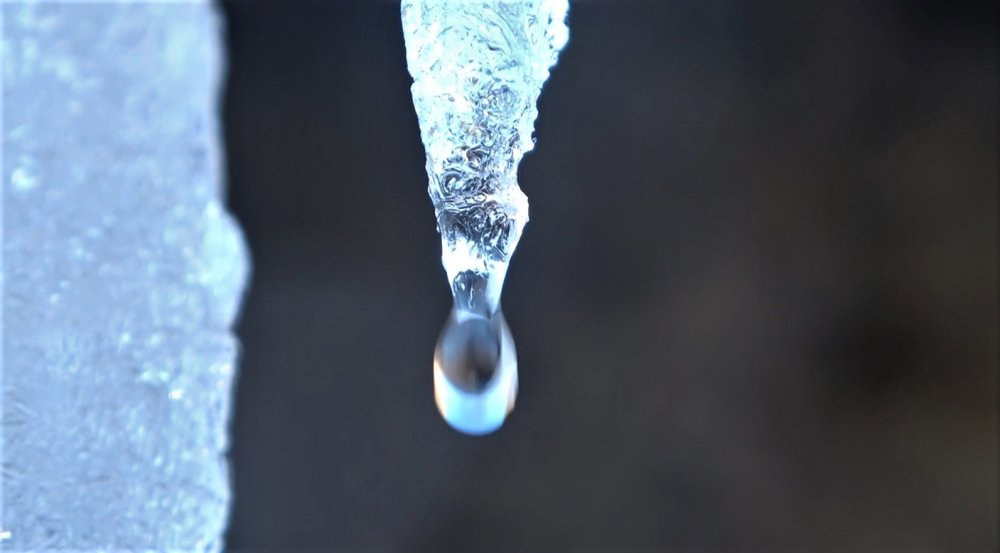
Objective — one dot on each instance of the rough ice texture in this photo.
(478, 68)
(122, 274)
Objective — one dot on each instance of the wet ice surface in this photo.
(122, 275)
(478, 68)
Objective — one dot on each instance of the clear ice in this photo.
(122, 275)
(478, 67)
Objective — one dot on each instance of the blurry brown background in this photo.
(755, 308)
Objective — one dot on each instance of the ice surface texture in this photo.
(478, 67)
(122, 275)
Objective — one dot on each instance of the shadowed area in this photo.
(755, 305)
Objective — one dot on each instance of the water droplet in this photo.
(475, 372)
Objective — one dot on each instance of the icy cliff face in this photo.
(122, 274)
(478, 68)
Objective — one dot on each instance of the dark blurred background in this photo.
(756, 307)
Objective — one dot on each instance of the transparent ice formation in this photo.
(478, 67)
(122, 274)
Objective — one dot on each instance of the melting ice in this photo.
(478, 68)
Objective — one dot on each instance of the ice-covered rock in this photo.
(122, 275)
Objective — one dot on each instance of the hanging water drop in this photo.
(475, 372)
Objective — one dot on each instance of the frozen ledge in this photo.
(122, 275)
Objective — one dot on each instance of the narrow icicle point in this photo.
(478, 67)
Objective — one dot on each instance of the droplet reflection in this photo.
(475, 372)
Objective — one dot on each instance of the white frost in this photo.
(122, 274)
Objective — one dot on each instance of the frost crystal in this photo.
(122, 274)
(478, 68)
